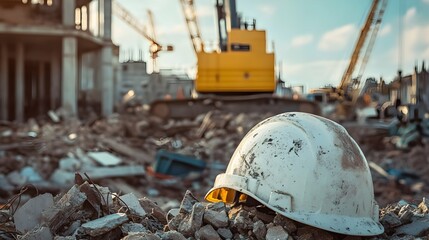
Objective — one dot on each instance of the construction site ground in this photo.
(55, 160)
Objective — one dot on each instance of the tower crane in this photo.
(348, 87)
(133, 22)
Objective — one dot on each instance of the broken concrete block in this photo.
(105, 224)
(5, 184)
(70, 164)
(225, 233)
(73, 227)
(31, 174)
(242, 221)
(418, 228)
(276, 232)
(153, 209)
(207, 233)
(216, 219)
(64, 238)
(406, 216)
(193, 221)
(132, 227)
(390, 220)
(16, 178)
(68, 204)
(259, 230)
(132, 203)
(187, 203)
(62, 178)
(105, 158)
(315, 233)
(285, 222)
(42, 233)
(141, 236)
(30, 214)
(218, 207)
(174, 222)
(172, 235)
(97, 173)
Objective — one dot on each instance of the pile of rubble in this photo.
(89, 211)
(118, 151)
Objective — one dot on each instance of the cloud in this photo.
(302, 40)
(385, 30)
(267, 9)
(410, 14)
(414, 47)
(315, 73)
(425, 1)
(337, 38)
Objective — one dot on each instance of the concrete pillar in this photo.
(55, 80)
(41, 88)
(107, 81)
(107, 14)
(4, 108)
(68, 12)
(69, 74)
(100, 18)
(19, 83)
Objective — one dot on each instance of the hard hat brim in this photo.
(359, 226)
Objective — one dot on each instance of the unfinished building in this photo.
(47, 47)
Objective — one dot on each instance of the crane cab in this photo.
(245, 66)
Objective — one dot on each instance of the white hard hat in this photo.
(306, 168)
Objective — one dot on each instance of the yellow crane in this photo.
(238, 76)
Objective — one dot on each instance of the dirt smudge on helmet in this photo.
(351, 158)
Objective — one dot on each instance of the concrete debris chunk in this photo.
(31, 174)
(419, 227)
(315, 233)
(153, 209)
(259, 230)
(105, 224)
(105, 158)
(70, 164)
(62, 177)
(225, 233)
(390, 220)
(132, 203)
(97, 173)
(187, 203)
(172, 235)
(276, 233)
(131, 227)
(67, 205)
(29, 215)
(42, 233)
(16, 179)
(193, 221)
(216, 219)
(242, 221)
(141, 236)
(207, 232)
(288, 224)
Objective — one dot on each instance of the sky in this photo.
(313, 39)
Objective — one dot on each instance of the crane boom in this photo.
(378, 19)
(346, 78)
(188, 9)
(127, 17)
